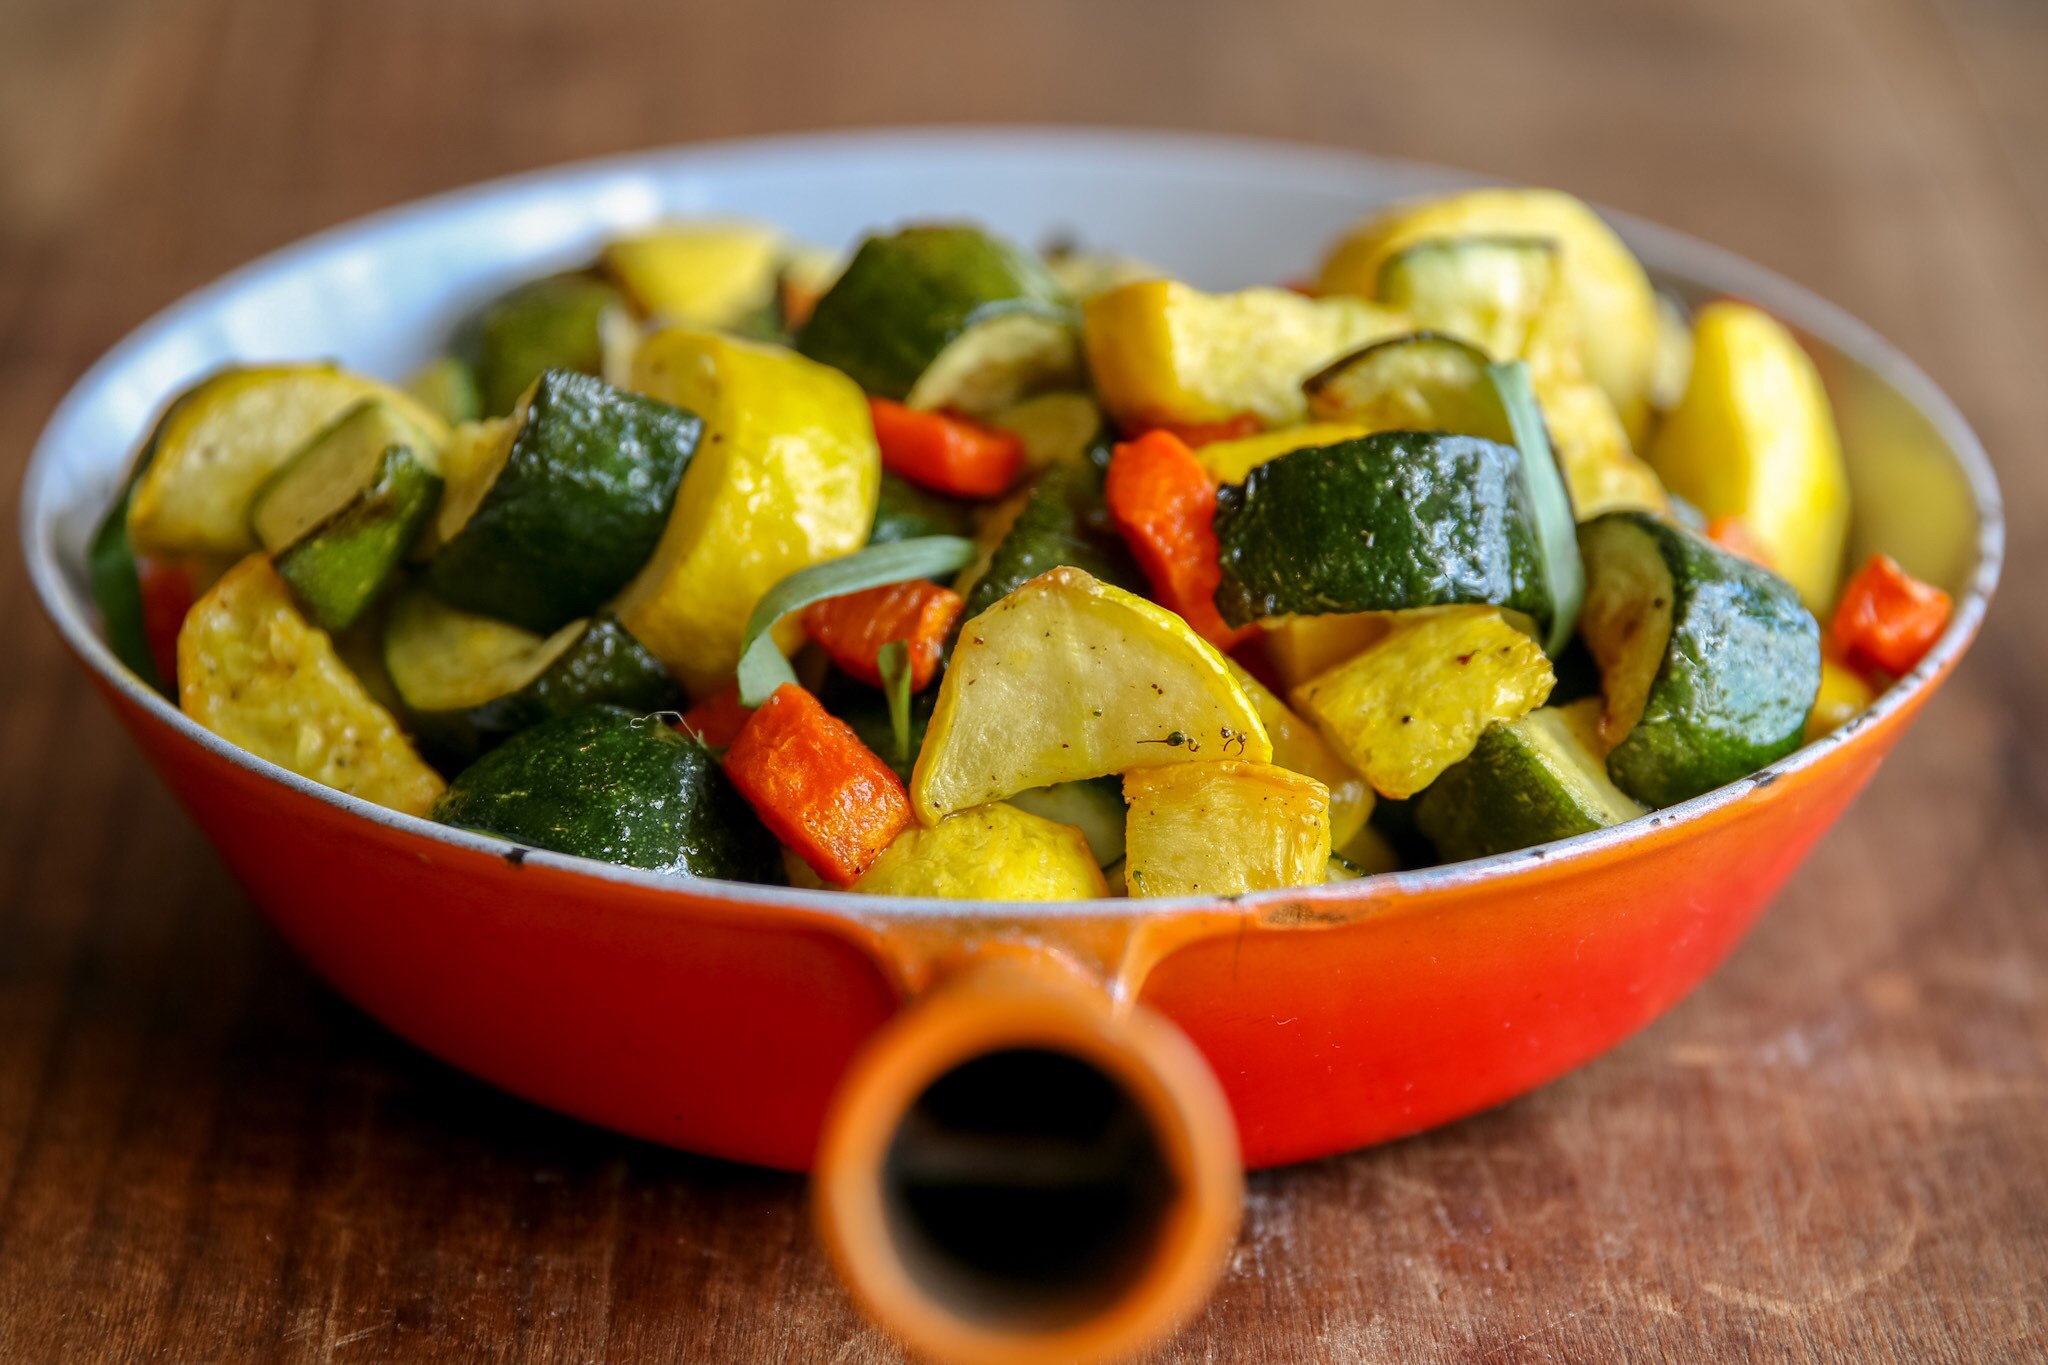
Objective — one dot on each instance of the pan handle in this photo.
(1018, 1169)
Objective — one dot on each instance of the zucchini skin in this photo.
(604, 782)
(337, 569)
(545, 324)
(1738, 675)
(1063, 523)
(579, 506)
(112, 572)
(1386, 522)
(905, 297)
(1506, 797)
(903, 511)
(605, 666)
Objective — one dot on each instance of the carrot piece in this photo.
(1733, 535)
(1199, 434)
(944, 453)
(797, 302)
(168, 592)
(852, 628)
(816, 786)
(718, 719)
(1164, 502)
(1888, 618)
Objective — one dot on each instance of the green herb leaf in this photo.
(892, 661)
(1563, 572)
(762, 667)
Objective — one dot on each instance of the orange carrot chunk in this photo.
(1164, 502)
(1888, 618)
(718, 719)
(816, 786)
(852, 629)
(944, 453)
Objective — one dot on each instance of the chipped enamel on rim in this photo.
(553, 217)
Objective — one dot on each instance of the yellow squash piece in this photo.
(994, 852)
(256, 673)
(1843, 695)
(1070, 678)
(1754, 438)
(1223, 829)
(785, 477)
(1164, 353)
(1229, 461)
(1415, 703)
(697, 274)
(224, 441)
(1298, 748)
(1303, 646)
(1612, 302)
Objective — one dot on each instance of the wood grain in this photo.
(1834, 1151)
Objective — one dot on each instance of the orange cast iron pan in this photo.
(1027, 1124)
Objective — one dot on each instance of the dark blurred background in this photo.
(1832, 1152)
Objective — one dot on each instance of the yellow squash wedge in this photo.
(255, 672)
(1299, 748)
(994, 852)
(1223, 829)
(1164, 353)
(786, 476)
(1601, 470)
(1611, 299)
(1843, 694)
(1069, 678)
(1754, 438)
(707, 273)
(1414, 703)
(224, 441)
(1303, 646)
(1229, 461)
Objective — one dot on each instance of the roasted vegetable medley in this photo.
(953, 569)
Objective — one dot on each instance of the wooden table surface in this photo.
(1837, 1149)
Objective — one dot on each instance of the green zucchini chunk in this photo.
(1493, 292)
(1529, 781)
(585, 478)
(553, 323)
(1425, 381)
(903, 511)
(604, 782)
(1708, 663)
(340, 515)
(1386, 522)
(946, 316)
(1062, 523)
(466, 681)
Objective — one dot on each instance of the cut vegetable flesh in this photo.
(996, 852)
(1224, 829)
(1069, 678)
(333, 469)
(470, 462)
(441, 658)
(1529, 781)
(255, 672)
(1709, 664)
(1231, 460)
(1425, 381)
(993, 364)
(226, 439)
(1299, 748)
(1498, 293)
(1056, 428)
(1417, 701)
